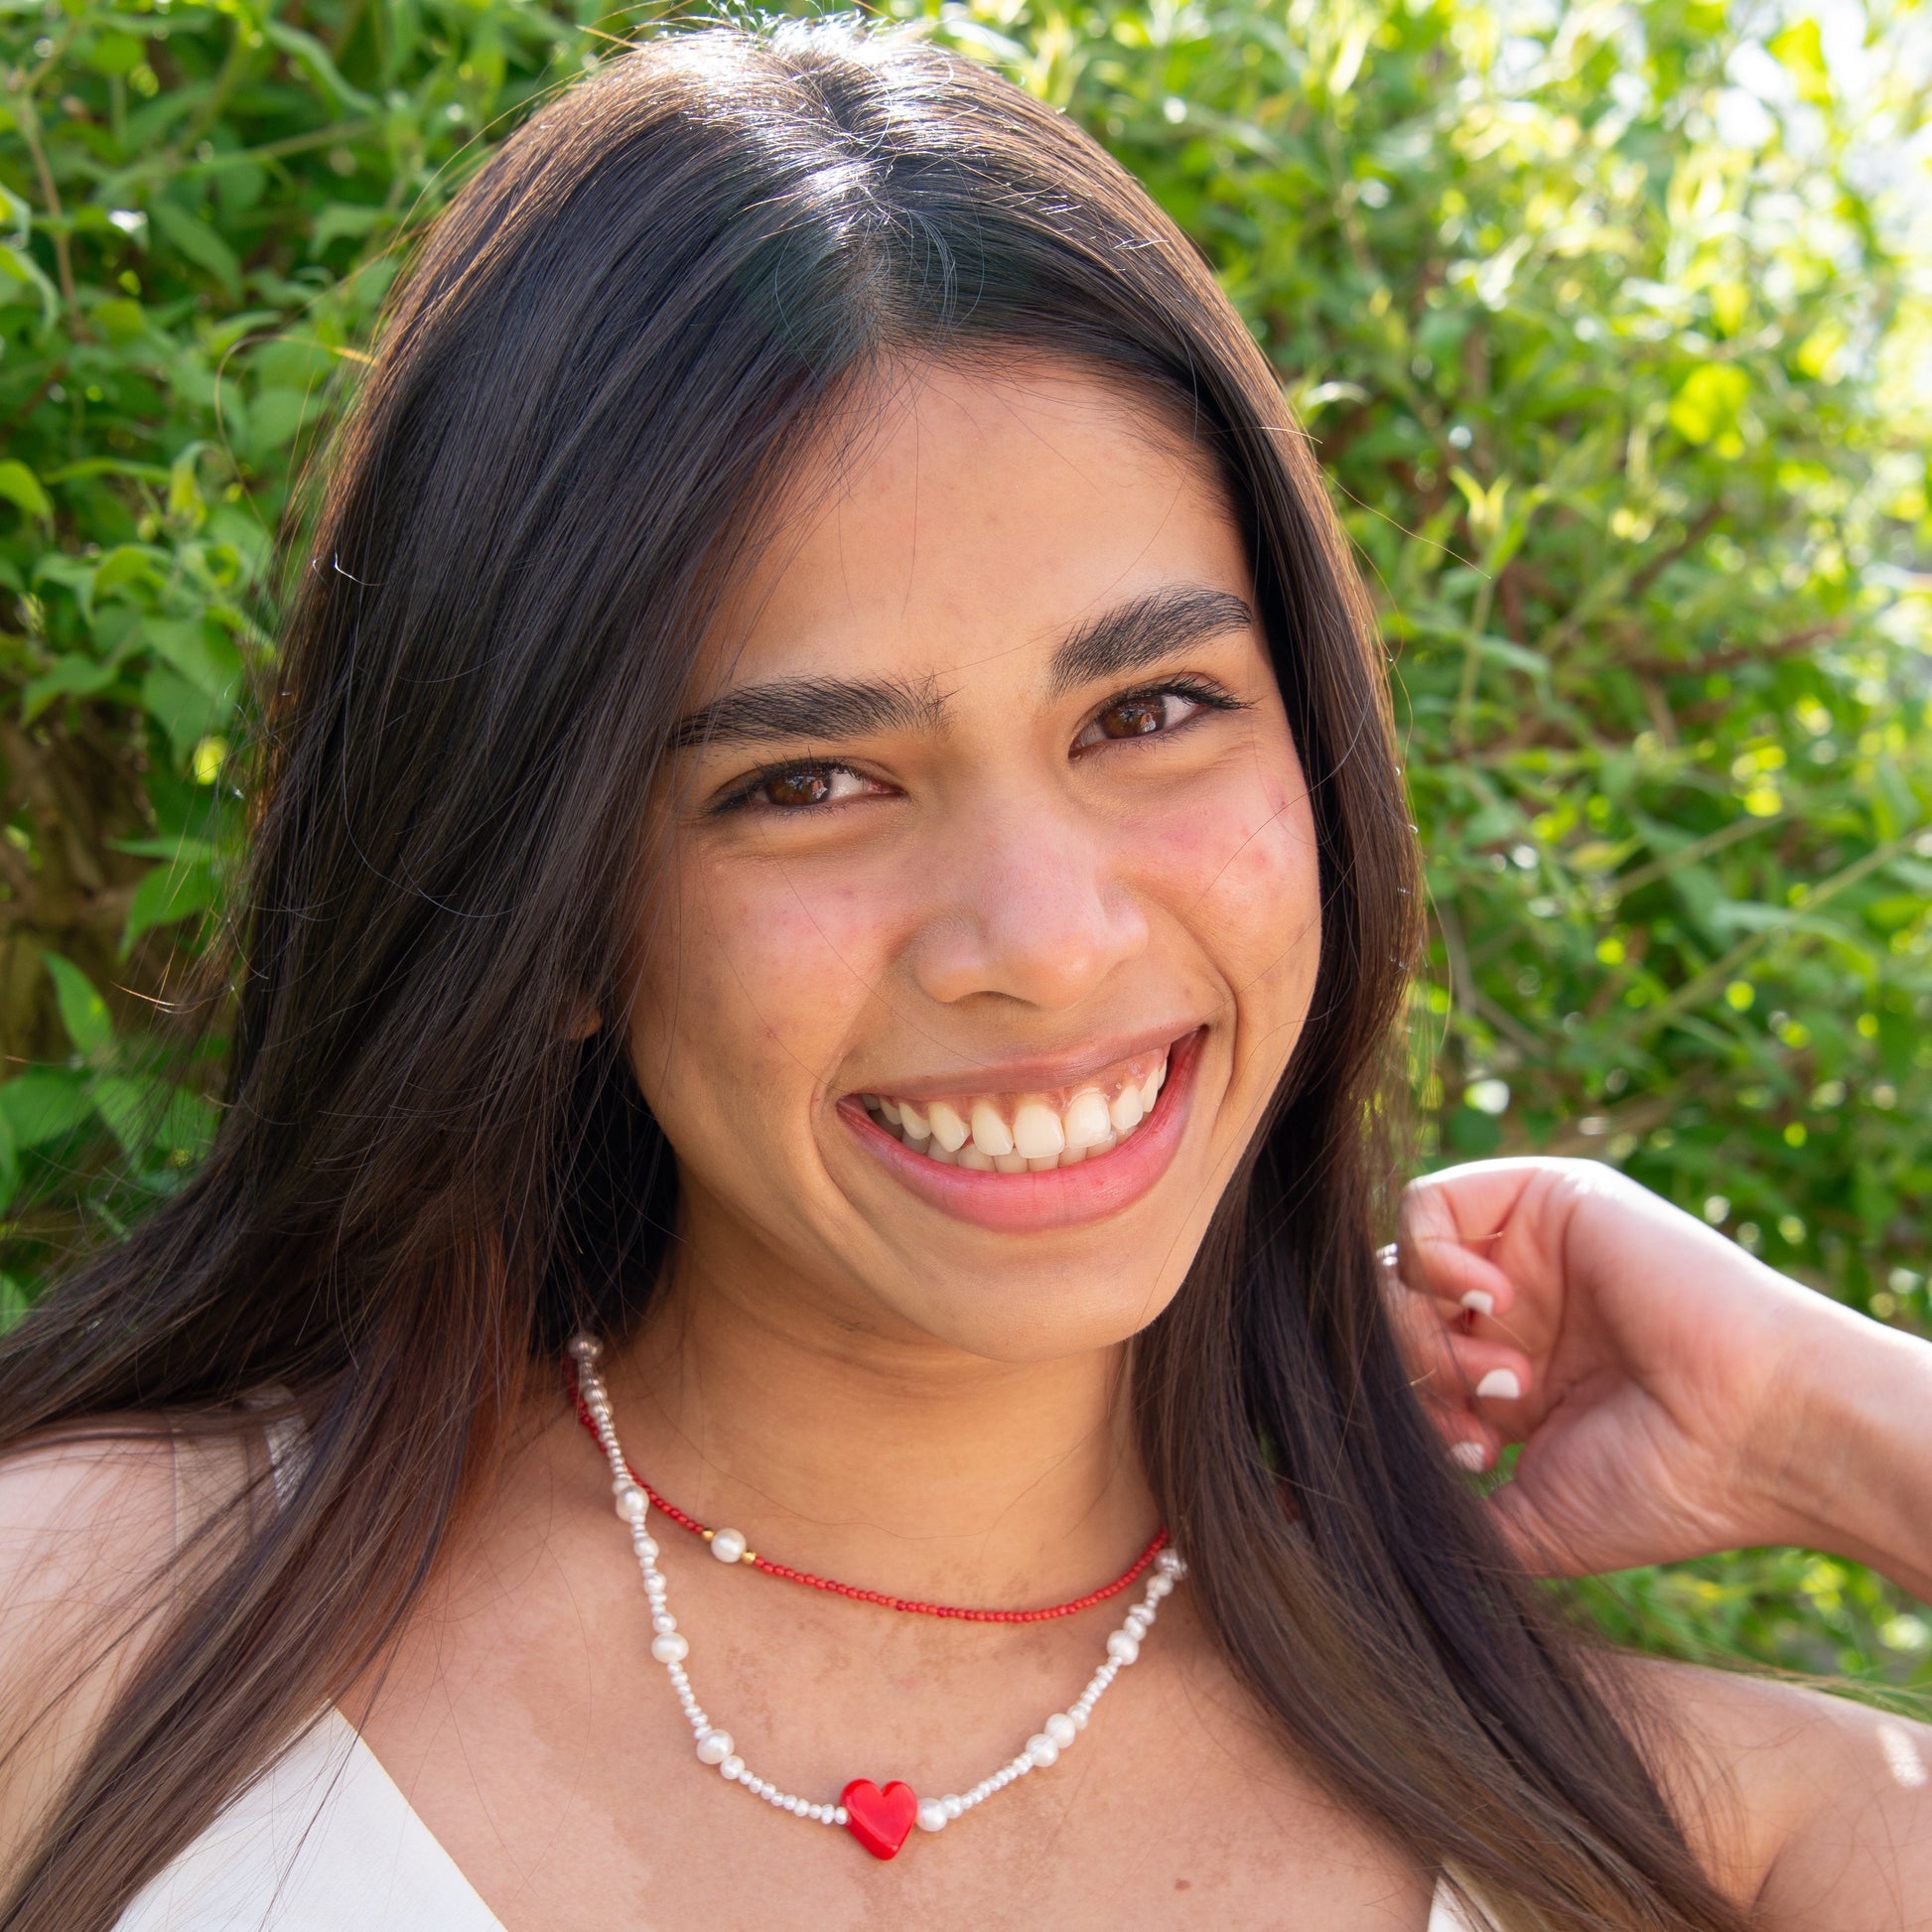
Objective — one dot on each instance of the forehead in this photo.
(959, 519)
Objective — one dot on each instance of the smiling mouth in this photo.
(1027, 1133)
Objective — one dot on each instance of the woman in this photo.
(829, 898)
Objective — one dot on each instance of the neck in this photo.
(891, 1462)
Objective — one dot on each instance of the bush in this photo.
(1608, 345)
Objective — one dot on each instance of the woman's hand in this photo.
(1672, 1394)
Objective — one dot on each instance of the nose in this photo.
(1033, 906)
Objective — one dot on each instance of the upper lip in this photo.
(1036, 1074)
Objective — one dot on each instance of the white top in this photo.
(324, 1840)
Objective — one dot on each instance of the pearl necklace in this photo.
(881, 1820)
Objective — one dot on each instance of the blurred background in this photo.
(1611, 321)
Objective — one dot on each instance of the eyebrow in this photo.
(1118, 642)
(1135, 635)
(814, 708)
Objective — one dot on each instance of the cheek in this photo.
(757, 974)
(1241, 872)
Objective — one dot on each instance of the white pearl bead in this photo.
(932, 1816)
(646, 1549)
(631, 1503)
(1122, 1647)
(664, 1623)
(584, 1348)
(1078, 1714)
(952, 1805)
(728, 1544)
(1060, 1728)
(1043, 1751)
(714, 1746)
(1135, 1624)
(1169, 1564)
(670, 1648)
(733, 1767)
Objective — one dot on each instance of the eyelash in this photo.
(1194, 690)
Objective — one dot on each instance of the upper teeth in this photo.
(1016, 1133)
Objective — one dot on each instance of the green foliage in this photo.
(1613, 360)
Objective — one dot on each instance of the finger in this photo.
(1450, 1361)
(1469, 1442)
(1421, 1331)
(1434, 1257)
(1495, 1375)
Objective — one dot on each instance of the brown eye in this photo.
(794, 788)
(805, 789)
(1133, 718)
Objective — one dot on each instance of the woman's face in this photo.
(990, 912)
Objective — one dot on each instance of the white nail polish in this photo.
(1501, 1384)
(1479, 1302)
(1470, 1456)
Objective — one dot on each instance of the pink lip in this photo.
(1063, 1198)
(1035, 1075)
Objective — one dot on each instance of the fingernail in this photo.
(1470, 1456)
(1479, 1302)
(1501, 1383)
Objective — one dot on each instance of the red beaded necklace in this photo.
(729, 1547)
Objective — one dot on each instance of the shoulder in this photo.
(91, 1518)
(1811, 1806)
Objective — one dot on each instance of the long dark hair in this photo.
(585, 398)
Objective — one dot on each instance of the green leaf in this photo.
(21, 487)
(82, 1011)
(345, 219)
(46, 1103)
(71, 676)
(311, 53)
(18, 266)
(200, 242)
(183, 711)
(132, 1109)
(188, 1125)
(1707, 404)
(165, 893)
(9, 1162)
(202, 652)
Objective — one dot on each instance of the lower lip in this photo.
(1061, 1198)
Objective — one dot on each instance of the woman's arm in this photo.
(1678, 1397)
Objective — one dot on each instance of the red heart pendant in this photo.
(879, 1819)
